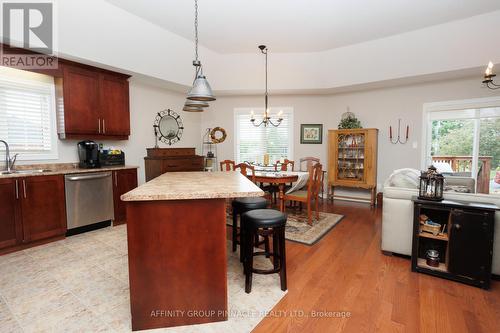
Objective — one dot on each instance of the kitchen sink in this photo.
(25, 172)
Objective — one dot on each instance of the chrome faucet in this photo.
(9, 162)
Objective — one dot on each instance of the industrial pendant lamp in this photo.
(200, 90)
(266, 118)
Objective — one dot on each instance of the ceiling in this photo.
(237, 26)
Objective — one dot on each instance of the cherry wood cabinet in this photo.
(92, 103)
(32, 211)
(114, 99)
(123, 181)
(43, 207)
(161, 160)
(81, 101)
(10, 217)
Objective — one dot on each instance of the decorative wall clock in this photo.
(168, 126)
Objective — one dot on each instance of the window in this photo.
(253, 142)
(466, 142)
(27, 114)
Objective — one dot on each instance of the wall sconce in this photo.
(398, 139)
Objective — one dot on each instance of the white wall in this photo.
(145, 102)
(375, 108)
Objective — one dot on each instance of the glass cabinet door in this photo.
(351, 157)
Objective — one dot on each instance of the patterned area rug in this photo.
(297, 229)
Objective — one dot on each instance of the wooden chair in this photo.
(309, 162)
(243, 168)
(284, 166)
(287, 165)
(312, 193)
(227, 165)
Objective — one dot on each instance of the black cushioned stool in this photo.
(263, 222)
(240, 206)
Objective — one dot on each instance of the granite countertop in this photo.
(195, 185)
(59, 169)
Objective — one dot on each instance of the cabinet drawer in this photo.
(182, 164)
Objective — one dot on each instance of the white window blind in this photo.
(26, 113)
(253, 142)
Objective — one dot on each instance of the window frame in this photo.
(53, 153)
(260, 110)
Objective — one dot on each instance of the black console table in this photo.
(464, 240)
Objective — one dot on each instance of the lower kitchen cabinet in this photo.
(11, 232)
(43, 207)
(31, 209)
(123, 181)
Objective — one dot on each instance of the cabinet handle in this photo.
(104, 126)
(24, 188)
(17, 189)
(116, 179)
(99, 122)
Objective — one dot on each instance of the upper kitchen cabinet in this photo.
(92, 103)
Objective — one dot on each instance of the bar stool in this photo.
(263, 222)
(240, 206)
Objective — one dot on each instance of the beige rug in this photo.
(80, 284)
(297, 229)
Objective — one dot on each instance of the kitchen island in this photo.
(176, 233)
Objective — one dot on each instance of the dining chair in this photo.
(227, 165)
(287, 165)
(308, 161)
(312, 193)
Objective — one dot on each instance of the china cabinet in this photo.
(352, 161)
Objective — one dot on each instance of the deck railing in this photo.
(464, 164)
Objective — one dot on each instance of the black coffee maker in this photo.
(88, 151)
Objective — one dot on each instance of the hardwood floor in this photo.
(346, 271)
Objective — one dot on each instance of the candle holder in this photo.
(398, 139)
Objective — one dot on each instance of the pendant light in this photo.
(201, 90)
(266, 119)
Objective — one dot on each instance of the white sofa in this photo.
(397, 220)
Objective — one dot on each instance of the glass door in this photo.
(351, 157)
(466, 143)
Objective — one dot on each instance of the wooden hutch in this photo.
(352, 161)
(161, 160)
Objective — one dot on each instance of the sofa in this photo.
(397, 213)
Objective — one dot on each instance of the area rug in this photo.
(297, 229)
(80, 284)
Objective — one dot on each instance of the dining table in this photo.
(281, 178)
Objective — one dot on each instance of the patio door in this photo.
(466, 143)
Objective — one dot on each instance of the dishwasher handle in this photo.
(89, 177)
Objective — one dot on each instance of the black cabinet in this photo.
(462, 236)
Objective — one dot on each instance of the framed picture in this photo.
(311, 133)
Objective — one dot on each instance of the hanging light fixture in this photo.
(266, 119)
(192, 109)
(488, 77)
(201, 104)
(200, 91)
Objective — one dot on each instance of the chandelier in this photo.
(266, 119)
(488, 77)
(200, 93)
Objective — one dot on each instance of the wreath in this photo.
(218, 138)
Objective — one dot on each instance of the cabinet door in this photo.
(81, 101)
(114, 100)
(123, 181)
(10, 219)
(471, 241)
(43, 207)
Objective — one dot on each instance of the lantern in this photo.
(431, 185)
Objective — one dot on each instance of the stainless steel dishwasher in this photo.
(89, 201)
